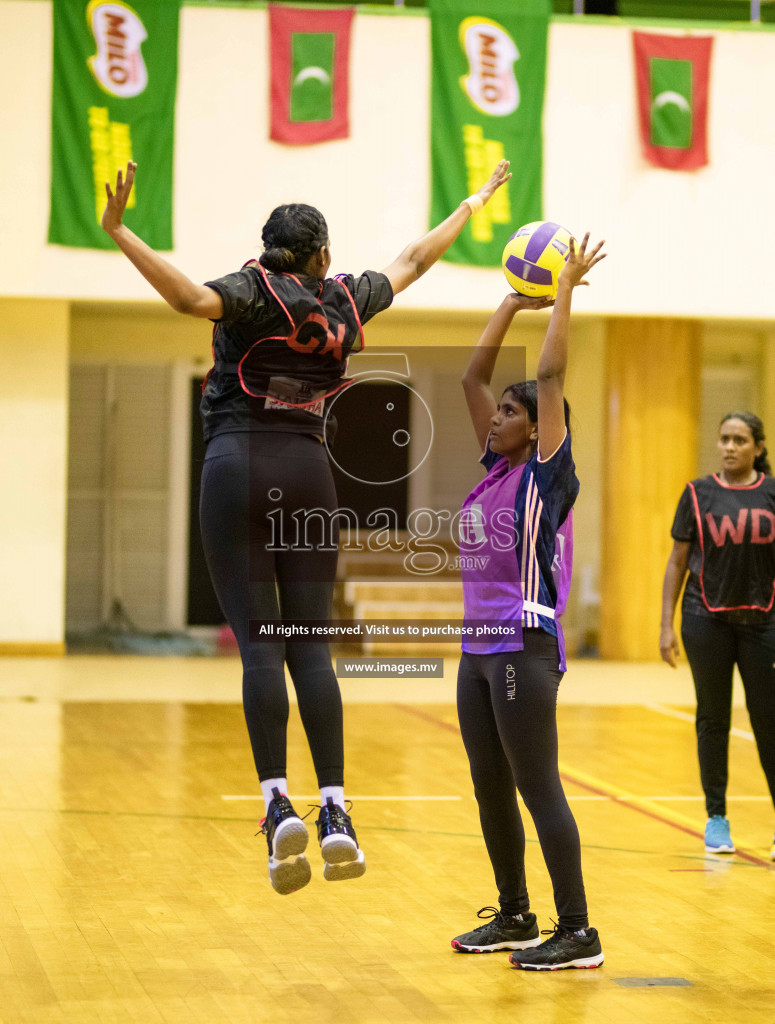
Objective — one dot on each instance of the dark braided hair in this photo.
(526, 393)
(761, 463)
(292, 234)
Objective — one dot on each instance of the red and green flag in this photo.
(113, 100)
(309, 66)
(672, 75)
(487, 96)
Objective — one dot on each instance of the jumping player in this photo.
(724, 537)
(283, 331)
(519, 518)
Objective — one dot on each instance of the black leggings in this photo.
(250, 483)
(713, 647)
(507, 705)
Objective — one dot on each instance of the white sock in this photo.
(335, 792)
(281, 785)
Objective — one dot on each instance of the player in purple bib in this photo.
(518, 521)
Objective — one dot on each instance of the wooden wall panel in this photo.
(652, 414)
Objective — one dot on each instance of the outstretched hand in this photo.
(580, 262)
(530, 301)
(498, 177)
(114, 211)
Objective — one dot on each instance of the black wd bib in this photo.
(736, 534)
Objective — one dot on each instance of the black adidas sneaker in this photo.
(563, 950)
(342, 856)
(503, 931)
(287, 837)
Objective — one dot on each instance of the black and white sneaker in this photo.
(563, 950)
(287, 838)
(504, 931)
(342, 856)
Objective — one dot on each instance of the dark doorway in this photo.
(371, 450)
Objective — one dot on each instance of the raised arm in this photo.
(675, 573)
(480, 399)
(422, 254)
(175, 288)
(553, 359)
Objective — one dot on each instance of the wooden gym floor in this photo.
(133, 888)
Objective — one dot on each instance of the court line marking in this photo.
(684, 716)
(76, 811)
(671, 799)
(399, 797)
(614, 793)
(650, 809)
(396, 799)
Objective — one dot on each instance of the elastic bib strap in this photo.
(539, 609)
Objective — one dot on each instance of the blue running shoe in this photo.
(717, 835)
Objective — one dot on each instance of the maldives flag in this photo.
(309, 60)
(672, 74)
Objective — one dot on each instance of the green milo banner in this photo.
(487, 96)
(113, 100)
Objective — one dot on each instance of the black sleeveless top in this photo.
(732, 553)
(280, 349)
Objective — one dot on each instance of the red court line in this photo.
(694, 833)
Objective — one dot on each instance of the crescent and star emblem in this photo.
(312, 72)
(671, 97)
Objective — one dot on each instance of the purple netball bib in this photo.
(562, 568)
(507, 552)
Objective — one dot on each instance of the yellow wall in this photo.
(33, 468)
(653, 396)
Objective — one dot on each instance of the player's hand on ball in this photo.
(498, 177)
(114, 211)
(529, 301)
(580, 262)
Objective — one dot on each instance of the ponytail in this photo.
(293, 234)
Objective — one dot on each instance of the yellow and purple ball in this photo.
(534, 256)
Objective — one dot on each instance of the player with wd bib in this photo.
(724, 538)
(283, 332)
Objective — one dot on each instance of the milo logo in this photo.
(491, 84)
(118, 64)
